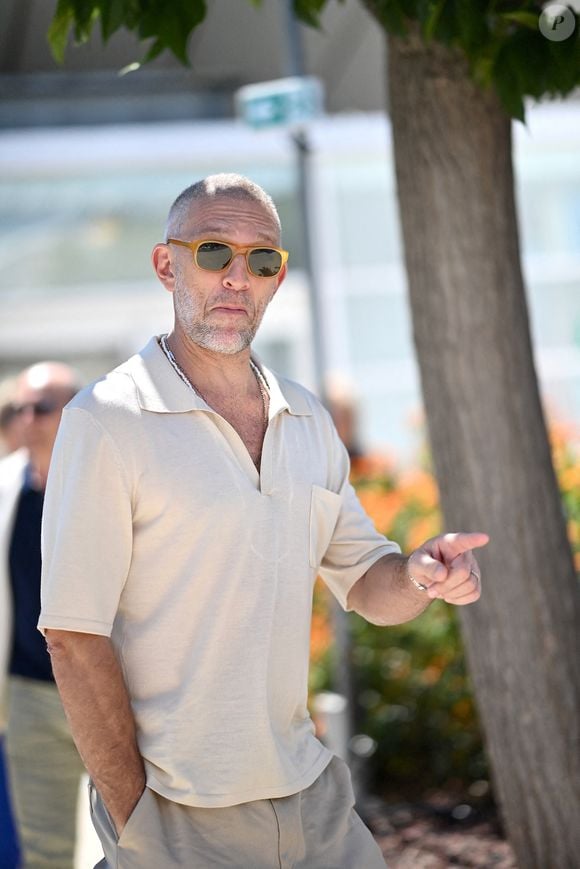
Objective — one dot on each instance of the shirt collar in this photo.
(28, 484)
(160, 389)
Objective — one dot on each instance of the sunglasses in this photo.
(38, 408)
(215, 256)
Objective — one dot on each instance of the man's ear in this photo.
(161, 259)
(280, 277)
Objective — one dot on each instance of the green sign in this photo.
(285, 101)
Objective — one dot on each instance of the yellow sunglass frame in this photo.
(245, 249)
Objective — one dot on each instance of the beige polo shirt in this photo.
(160, 533)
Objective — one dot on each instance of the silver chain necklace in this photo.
(262, 384)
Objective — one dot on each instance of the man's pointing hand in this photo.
(446, 568)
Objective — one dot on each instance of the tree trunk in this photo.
(488, 437)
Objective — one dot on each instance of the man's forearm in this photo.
(384, 595)
(96, 702)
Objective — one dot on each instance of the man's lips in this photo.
(230, 309)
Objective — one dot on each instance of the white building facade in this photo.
(80, 209)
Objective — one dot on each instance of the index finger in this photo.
(453, 544)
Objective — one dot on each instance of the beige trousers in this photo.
(44, 772)
(314, 829)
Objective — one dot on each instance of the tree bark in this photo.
(488, 436)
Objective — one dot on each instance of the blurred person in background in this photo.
(193, 497)
(44, 767)
(10, 440)
(10, 428)
(342, 405)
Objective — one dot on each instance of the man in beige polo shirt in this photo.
(193, 498)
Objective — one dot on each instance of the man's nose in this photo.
(237, 275)
(27, 414)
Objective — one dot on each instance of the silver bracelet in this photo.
(418, 584)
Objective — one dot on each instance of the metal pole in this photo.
(295, 52)
(302, 147)
(295, 67)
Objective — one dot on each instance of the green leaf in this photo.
(154, 51)
(472, 26)
(563, 64)
(171, 25)
(113, 17)
(133, 13)
(86, 13)
(447, 28)
(59, 29)
(309, 11)
(390, 14)
(527, 19)
(506, 82)
(481, 70)
(431, 18)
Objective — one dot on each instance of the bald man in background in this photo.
(10, 439)
(44, 767)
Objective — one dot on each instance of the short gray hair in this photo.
(227, 185)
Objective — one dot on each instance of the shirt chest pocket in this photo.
(324, 511)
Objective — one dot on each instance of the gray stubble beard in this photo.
(189, 316)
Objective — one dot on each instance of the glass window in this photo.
(367, 214)
(70, 231)
(379, 327)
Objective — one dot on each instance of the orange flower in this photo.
(373, 465)
(381, 506)
(565, 443)
(462, 709)
(570, 478)
(562, 434)
(320, 636)
(419, 486)
(421, 530)
(430, 675)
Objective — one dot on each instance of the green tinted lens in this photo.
(264, 262)
(213, 256)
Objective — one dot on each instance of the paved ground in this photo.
(428, 836)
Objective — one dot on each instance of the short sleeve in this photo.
(355, 544)
(86, 529)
